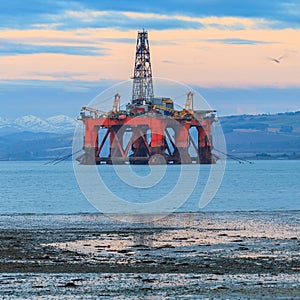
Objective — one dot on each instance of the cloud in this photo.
(233, 26)
(121, 21)
(276, 9)
(238, 42)
(48, 98)
(31, 7)
(74, 16)
(11, 85)
(118, 40)
(167, 61)
(34, 13)
(8, 48)
(58, 75)
(251, 100)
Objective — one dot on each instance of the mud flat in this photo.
(199, 255)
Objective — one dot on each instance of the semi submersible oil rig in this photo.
(150, 130)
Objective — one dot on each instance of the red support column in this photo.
(182, 143)
(204, 143)
(116, 144)
(90, 142)
(140, 145)
(157, 127)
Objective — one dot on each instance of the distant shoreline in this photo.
(265, 136)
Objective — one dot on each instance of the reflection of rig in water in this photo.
(150, 130)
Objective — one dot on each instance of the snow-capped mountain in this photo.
(55, 124)
(33, 123)
(3, 121)
(62, 121)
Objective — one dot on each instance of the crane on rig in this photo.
(89, 112)
(116, 105)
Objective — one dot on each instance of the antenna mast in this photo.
(142, 78)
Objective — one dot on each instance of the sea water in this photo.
(32, 187)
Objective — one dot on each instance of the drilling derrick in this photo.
(142, 91)
(149, 130)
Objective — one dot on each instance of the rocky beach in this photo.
(190, 255)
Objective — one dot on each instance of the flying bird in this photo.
(277, 60)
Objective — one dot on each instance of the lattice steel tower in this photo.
(142, 78)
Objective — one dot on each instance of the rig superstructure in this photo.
(150, 130)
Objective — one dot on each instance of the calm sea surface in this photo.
(33, 187)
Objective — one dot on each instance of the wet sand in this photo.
(204, 255)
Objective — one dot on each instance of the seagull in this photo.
(277, 60)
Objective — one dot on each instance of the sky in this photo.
(56, 55)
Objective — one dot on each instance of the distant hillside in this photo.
(279, 123)
(253, 136)
(34, 146)
(259, 136)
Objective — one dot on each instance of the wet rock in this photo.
(148, 261)
(219, 273)
(182, 264)
(185, 251)
(70, 284)
(148, 280)
(123, 251)
(222, 287)
(243, 248)
(102, 246)
(165, 246)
